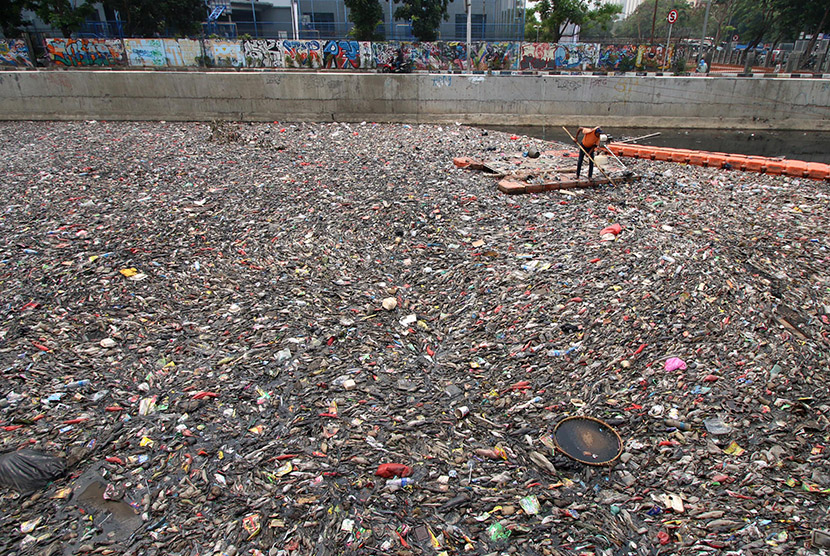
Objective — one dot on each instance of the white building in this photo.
(628, 6)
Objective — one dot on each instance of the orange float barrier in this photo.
(818, 171)
(775, 167)
(736, 162)
(796, 168)
(698, 158)
(755, 164)
(680, 155)
(761, 164)
(716, 160)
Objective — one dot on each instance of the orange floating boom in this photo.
(761, 164)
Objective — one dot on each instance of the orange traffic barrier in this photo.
(774, 166)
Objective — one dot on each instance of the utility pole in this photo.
(469, 34)
(653, 23)
(705, 23)
(390, 21)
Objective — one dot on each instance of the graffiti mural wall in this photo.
(431, 56)
(617, 57)
(86, 52)
(557, 57)
(345, 54)
(182, 52)
(495, 56)
(145, 52)
(302, 54)
(15, 53)
(225, 54)
(263, 53)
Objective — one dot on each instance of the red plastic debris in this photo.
(389, 470)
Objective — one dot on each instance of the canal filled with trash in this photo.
(329, 338)
(797, 145)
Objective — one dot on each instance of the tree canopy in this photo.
(11, 18)
(61, 14)
(754, 21)
(146, 18)
(552, 17)
(425, 15)
(366, 15)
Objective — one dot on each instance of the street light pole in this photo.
(253, 13)
(705, 23)
(390, 21)
(469, 34)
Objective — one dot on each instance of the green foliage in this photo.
(679, 67)
(146, 18)
(11, 18)
(61, 14)
(638, 25)
(425, 15)
(553, 16)
(366, 15)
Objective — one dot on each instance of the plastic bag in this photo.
(28, 470)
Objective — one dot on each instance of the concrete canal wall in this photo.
(476, 99)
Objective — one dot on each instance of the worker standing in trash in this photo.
(589, 143)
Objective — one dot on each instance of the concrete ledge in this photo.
(476, 99)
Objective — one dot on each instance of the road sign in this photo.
(734, 38)
(672, 17)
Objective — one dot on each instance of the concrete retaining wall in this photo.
(694, 102)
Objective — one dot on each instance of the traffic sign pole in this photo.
(671, 18)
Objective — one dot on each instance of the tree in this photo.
(757, 18)
(11, 18)
(599, 20)
(61, 14)
(147, 18)
(556, 15)
(638, 24)
(425, 15)
(366, 15)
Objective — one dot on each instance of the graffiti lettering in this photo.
(442, 81)
(263, 53)
(85, 52)
(568, 84)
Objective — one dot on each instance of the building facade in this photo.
(492, 20)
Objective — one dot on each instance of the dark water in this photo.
(795, 145)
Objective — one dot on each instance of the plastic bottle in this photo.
(679, 425)
(78, 384)
(395, 484)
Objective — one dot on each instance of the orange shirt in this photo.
(590, 136)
